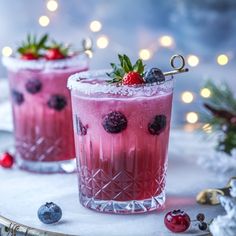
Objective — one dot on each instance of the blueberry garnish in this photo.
(80, 128)
(157, 125)
(49, 213)
(57, 102)
(154, 75)
(33, 86)
(114, 122)
(17, 97)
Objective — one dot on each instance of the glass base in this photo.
(68, 166)
(124, 207)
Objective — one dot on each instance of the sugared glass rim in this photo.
(149, 89)
(14, 63)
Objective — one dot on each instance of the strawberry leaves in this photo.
(125, 66)
(32, 45)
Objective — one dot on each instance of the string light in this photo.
(145, 54)
(207, 128)
(44, 21)
(102, 42)
(187, 97)
(192, 117)
(95, 26)
(166, 41)
(52, 5)
(89, 53)
(205, 92)
(222, 59)
(193, 60)
(6, 51)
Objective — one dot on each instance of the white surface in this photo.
(21, 194)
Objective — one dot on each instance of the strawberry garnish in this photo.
(31, 48)
(54, 54)
(57, 51)
(126, 73)
(132, 78)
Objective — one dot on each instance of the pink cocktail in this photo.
(42, 112)
(121, 139)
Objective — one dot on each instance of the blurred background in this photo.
(202, 31)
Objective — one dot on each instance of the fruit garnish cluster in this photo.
(126, 73)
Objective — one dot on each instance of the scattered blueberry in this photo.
(202, 226)
(200, 217)
(57, 102)
(17, 97)
(49, 213)
(154, 75)
(33, 86)
(114, 122)
(157, 125)
(80, 128)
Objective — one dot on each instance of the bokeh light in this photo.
(6, 51)
(52, 5)
(89, 53)
(222, 59)
(95, 26)
(145, 54)
(193, 60)
(44, 21)
(187, 97)
(166, 41)
(207, 128)
(205, 92)
(192, 117)
(102, 42)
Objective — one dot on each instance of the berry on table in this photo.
(6, 160)
(202, 226)
(57, 102)
(114, 122)
(200, 217)
(17, 97)
(157, 124)
(49, 213)
(154, 75)
(33, 86)
(177, 221)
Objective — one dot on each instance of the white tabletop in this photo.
(22, 193)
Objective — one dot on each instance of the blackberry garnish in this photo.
(157, 125)
(114, 122)
(33, 86)
(57, 102)
(80, 128)
(17, 97)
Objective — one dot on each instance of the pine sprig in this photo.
(125, 67)
(221, 115)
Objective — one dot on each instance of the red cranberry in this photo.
(6, 160)
(177, 221)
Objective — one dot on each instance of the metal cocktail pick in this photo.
(211, 196)
(177, 69)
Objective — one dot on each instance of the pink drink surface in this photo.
(130, 165)
(42, 114)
